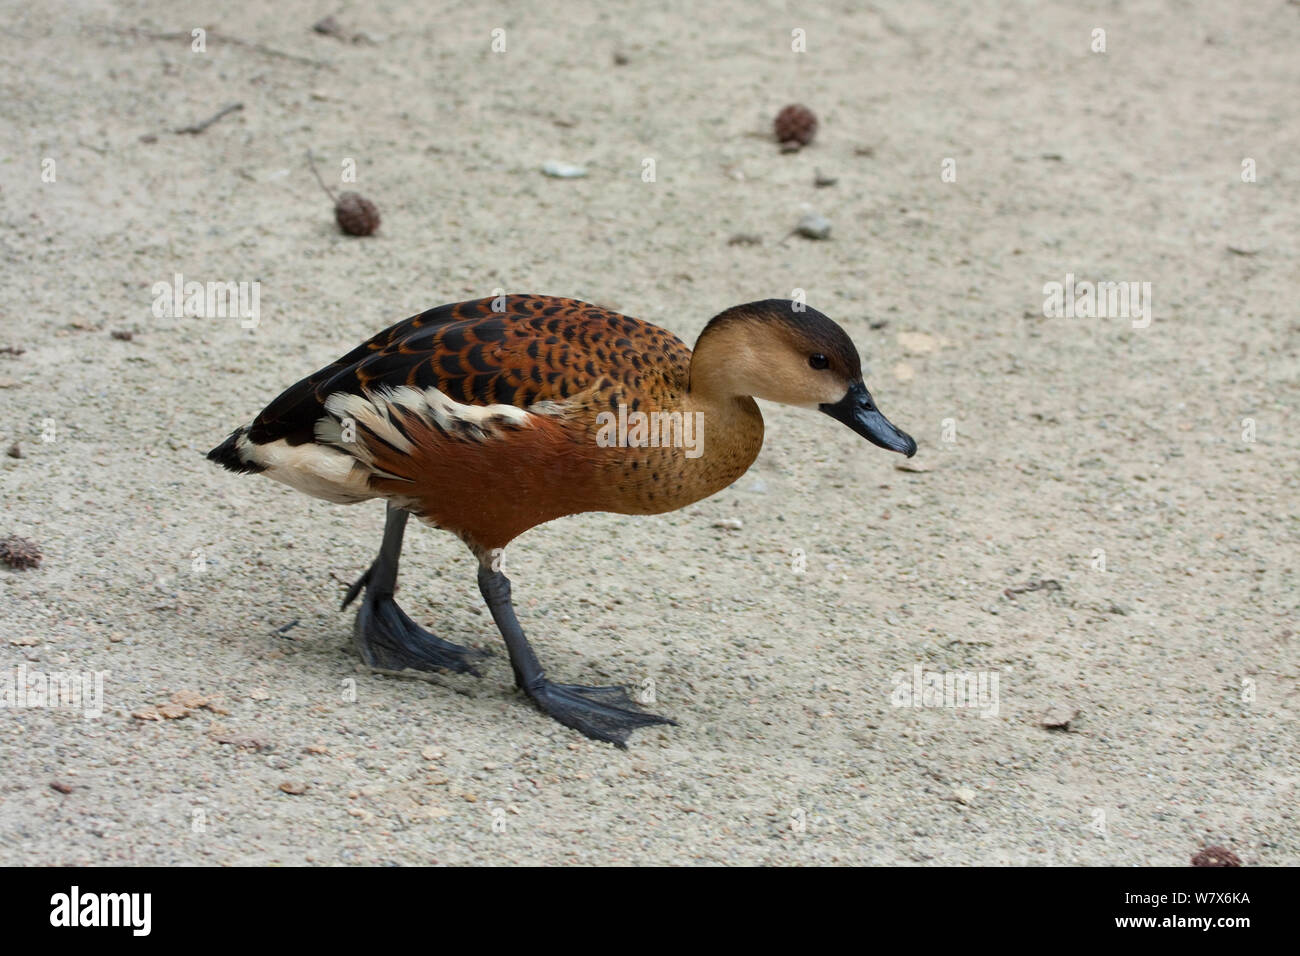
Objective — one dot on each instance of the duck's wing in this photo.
(516, 350)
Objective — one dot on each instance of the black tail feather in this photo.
(227, 455)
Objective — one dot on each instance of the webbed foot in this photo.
(602, 713)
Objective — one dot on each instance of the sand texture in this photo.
(1103, 516)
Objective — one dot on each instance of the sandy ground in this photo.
(1072, 436)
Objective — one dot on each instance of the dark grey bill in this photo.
(857, 410)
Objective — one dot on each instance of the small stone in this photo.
(730, 524)
(813, 226)
(560, 170)
(61, 786)
(259, 693)
(122, 335)
(1058, 717)
(16, 451)
(963, 795)
(918, 467)
(432, 753)
(328, 26)
(294, 788)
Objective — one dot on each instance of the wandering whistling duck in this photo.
(487, 418)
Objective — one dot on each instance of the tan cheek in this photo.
(838, 391)
(829, 389)
(818, 388)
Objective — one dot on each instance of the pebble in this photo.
(560, 170)
(813, 225)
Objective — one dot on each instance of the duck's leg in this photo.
(383, 634)
(602, 713)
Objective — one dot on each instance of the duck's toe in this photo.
(602, 713)
(386, 638)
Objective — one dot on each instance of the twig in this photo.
(1049, 584)
(197, 128)
(285, 629)
(312, 163)
(233, 41)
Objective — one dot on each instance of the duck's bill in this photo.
(857, 410)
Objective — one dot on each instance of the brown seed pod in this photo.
(356, 215)
(795, 126)
(19, 553)
(1216, 856)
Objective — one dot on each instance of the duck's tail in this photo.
(233, 453)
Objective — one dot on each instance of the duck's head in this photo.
(781, 351)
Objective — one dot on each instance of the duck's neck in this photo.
(725, 415)
(719, 434)
(733, 425)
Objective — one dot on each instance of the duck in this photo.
(490, 417)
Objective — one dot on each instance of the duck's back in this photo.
(514, 350)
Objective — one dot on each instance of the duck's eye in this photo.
(818, 360)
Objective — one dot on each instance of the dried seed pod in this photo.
(19, 553)
(795, 126)
(356, 215)
(1216, 856)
